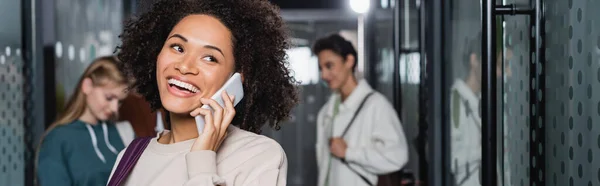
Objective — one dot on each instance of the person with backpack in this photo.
(360, 139)
(465, 117)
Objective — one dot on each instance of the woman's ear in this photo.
(350, 60)
(86, 86)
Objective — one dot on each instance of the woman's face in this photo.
(195, 61)
(335, 70)
(103, 101)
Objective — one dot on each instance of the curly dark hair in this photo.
(259, 39)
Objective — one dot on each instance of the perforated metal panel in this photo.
(12, 146)
(573, 104)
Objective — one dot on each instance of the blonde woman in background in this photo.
(81, 146)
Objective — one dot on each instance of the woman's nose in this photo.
(187, 66)
(324, 74)
(114, 107)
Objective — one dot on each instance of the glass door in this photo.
(514, 106)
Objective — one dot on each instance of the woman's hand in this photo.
(216, 123)
(338, 147)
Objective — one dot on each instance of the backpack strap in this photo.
(346, 130)
(132, 155)
(356, 113)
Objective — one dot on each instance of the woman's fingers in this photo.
(206, 140)
(216, 123)
(218, 112)
(196, 112)
(209, 127)
(229, 112)
(229, 108)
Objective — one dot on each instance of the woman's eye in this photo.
(210, 58)
(177, 48)
(109, 98)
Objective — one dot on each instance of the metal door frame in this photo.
(34, 68)
(433, 19)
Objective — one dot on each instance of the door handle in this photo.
(537, 77)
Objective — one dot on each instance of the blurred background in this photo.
(544, 104)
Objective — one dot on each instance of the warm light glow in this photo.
(360, 6)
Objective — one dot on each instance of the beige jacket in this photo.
(244, 159)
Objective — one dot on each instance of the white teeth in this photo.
(182, 84)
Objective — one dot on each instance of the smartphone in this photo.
(234, 87)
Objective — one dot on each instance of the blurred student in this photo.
(465, 115)
(81, 146)
(359, 135)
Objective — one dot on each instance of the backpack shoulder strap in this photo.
(346, 130)
(130, 157)
(356, 113)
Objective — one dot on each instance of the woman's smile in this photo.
(181, 88)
